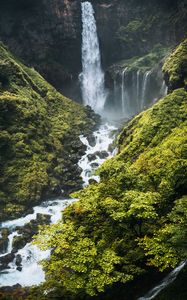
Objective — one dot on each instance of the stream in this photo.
(24, 268)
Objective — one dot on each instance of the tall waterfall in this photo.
(92, 76)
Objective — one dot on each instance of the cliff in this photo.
(46, 34)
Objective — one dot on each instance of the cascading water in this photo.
(29, 272)
(92, 76)
(124, 98)
(145, 84)
(136, 90)
(164, 283)
(164, 89)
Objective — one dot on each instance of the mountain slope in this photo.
(39, 143)
(135, 218)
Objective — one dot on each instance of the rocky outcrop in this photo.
(175, 68)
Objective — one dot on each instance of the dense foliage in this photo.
(175, 68)
(135, 217)
(37, 124)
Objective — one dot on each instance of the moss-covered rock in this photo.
(175, 68)
(39, 138)
(150, 61)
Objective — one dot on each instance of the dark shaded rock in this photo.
(5, 260)
(4, 240)
(101, 154)
(18, 260)
(91, 140)
(92, 181)
(92, 157)
(43, 219)
(27, 232)
(94, 165)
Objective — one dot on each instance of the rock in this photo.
(91, 140)
(4, 240)
(92, 157)
(18, 260)
(94, 165)
(43, 219)
(92, 181)
(27, 232)
(5, 260)
(101, 154)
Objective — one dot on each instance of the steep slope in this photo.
(39, 143)
(135, 218)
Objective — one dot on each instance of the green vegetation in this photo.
(175, 67)
(135, 218)
(142, 63)
(39, 131)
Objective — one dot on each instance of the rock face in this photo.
(47, 34)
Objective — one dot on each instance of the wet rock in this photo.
(5, 260)
(18, 260)
(26, 232)
(91, 140)
(18, 243)
(94, 165)
(101, 154)
(43, 219)
(92, 157)
(4, 240)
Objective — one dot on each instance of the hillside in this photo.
(135, 218)
(39, 138)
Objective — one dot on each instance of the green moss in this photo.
(135, 217)
(37, 127)
(144, 63)
(175, 67)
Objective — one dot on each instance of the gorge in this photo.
(123, 231)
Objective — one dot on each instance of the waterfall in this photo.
(115, 91)
(138, 89)
(146, 78)
(124, 93)
(123, 98)
(164, 283)
(164, 89)
(92, 76)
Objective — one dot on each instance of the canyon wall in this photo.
(46, 34)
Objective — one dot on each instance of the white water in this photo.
(164, 283)
(145, 84)
(92, 76)
(124, 99)
(103, 140)
(31, 272)
(164, 89)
